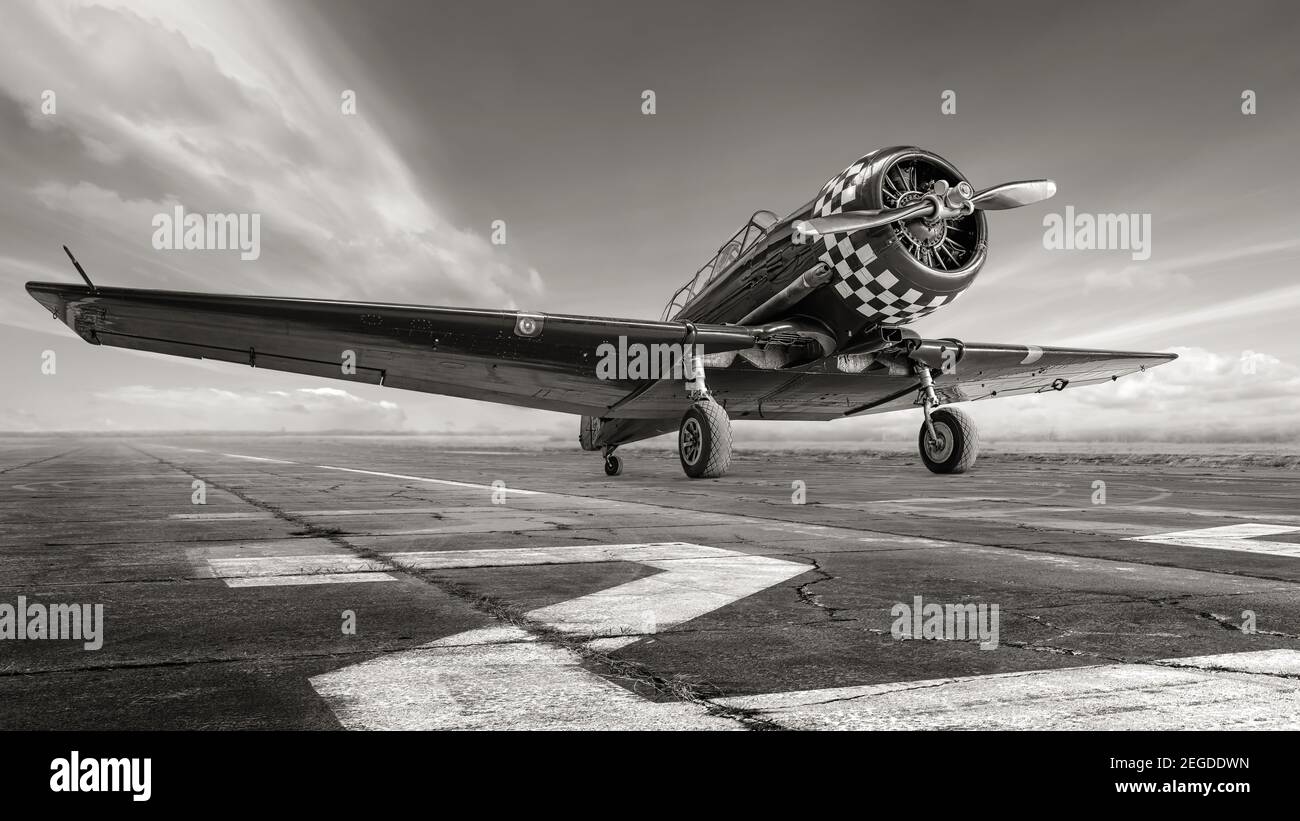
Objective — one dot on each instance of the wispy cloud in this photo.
(304, 409)
(228, 108)
(1257, 304)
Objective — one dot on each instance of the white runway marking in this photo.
(490, 679)
(569, 554)
(498, 511)
(688, 589)
(328, 578)
(258, 458)
(273, 571)
(818, 531)
(1230, 537)
(1231, 691)
(502, 678)
(696, 580)
(449, 528)
(518, 491)
(427, 479)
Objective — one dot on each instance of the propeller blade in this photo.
(1014, 194)
(850, 221)
(953, 202)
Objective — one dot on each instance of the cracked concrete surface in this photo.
(1095, 631)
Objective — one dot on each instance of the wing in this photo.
(989, 371)
(545, 361)
(852, 384)
(966, 372)
(548, 361)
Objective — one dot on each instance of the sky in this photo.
(531, 114)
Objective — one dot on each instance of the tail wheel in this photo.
(956, 443)
(704, 441)
(613, 465)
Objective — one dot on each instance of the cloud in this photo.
(1175, 272)
(228, 109)
(303, 409)
(1202, 396)
(1221, 313)
(1134, 277)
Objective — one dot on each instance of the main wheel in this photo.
(704, 441)
(613, 465)
(957, 445)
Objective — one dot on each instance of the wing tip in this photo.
(52, 295)
(39, 289)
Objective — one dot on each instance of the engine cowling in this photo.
(899, 272)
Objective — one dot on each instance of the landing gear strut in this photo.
(704, 439)
(948, 440)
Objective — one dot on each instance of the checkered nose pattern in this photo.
(862, 261)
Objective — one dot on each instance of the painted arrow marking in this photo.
(495, 678)
(696, 580)
(502, 677)
(1243, 538)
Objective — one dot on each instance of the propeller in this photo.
(943, 202)
(1014, 194)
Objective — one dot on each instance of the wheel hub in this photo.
(940, 447)
(692, 440)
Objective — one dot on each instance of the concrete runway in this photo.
(567, 599)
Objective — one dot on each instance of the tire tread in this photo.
(717, 457)
(967, 436)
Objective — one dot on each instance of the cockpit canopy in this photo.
(727, 256)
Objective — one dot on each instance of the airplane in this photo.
(797, 318)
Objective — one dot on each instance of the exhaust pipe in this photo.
(789, 296)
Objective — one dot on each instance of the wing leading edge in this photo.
(545, 361)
